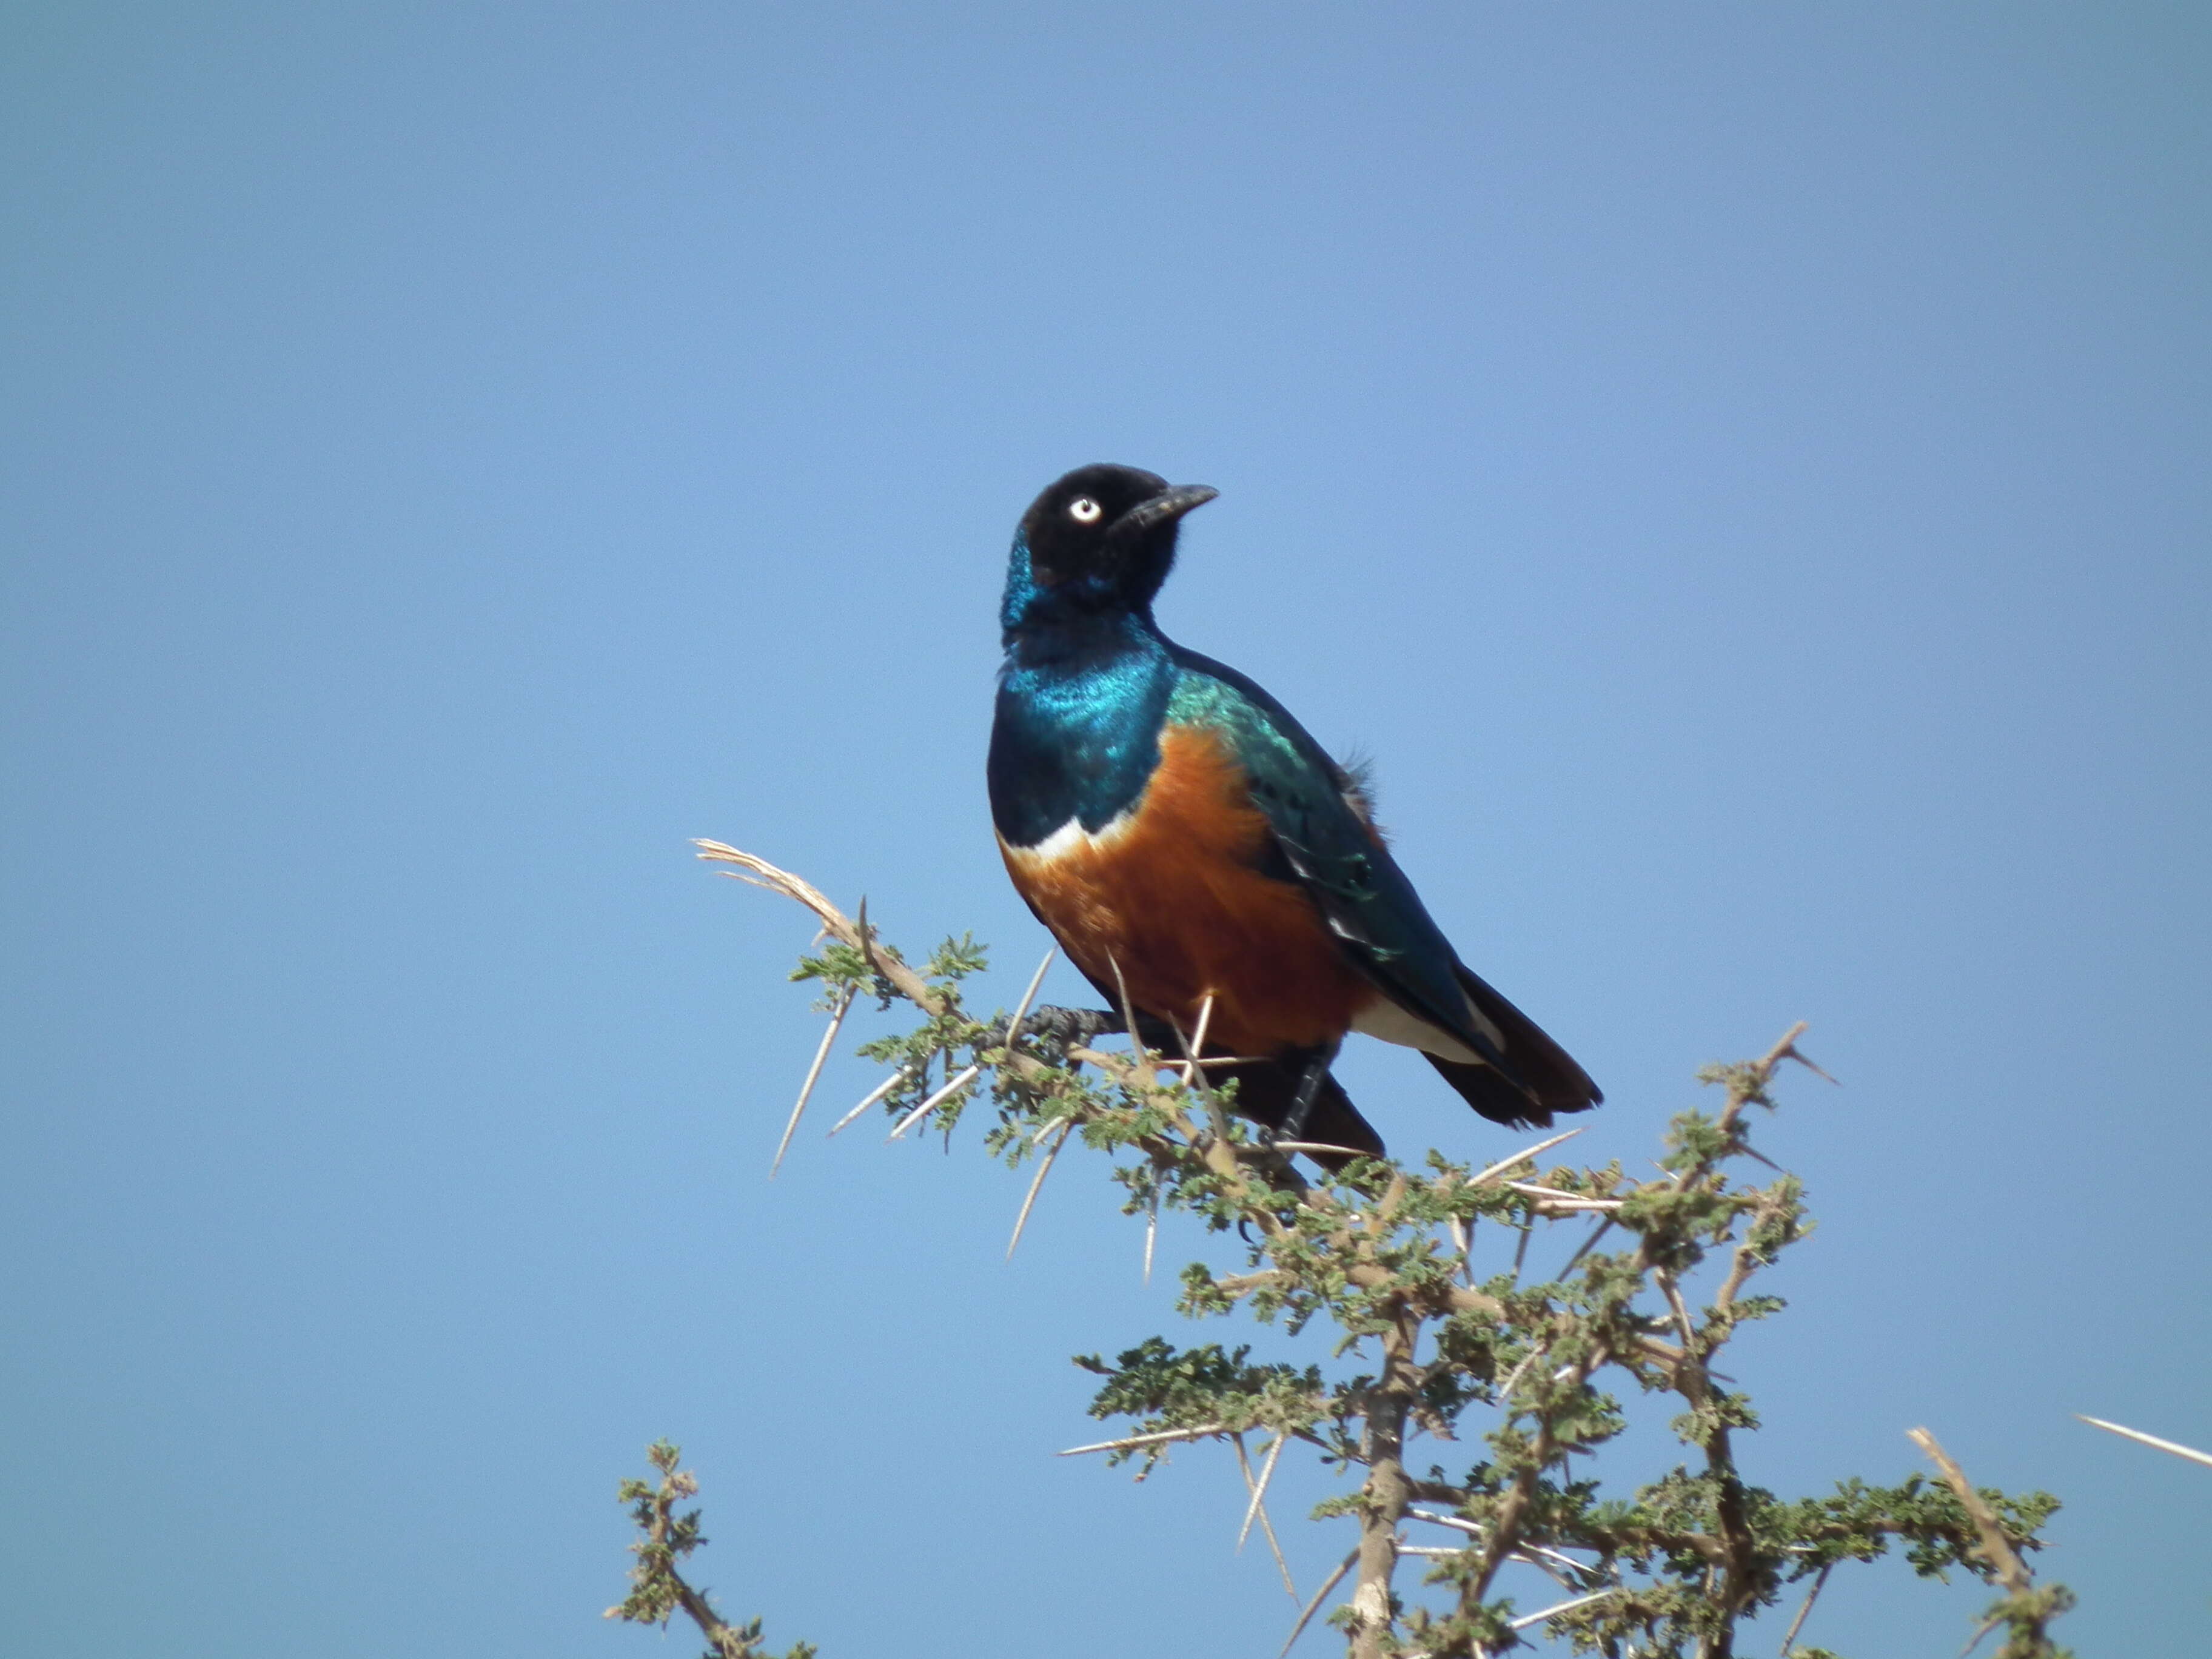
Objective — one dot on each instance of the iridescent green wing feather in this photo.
(1328, 847)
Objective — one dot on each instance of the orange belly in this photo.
(1172, 895)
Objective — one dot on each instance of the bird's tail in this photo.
(1544, 1078)
(1267, 1091)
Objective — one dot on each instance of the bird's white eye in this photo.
(1084, 510)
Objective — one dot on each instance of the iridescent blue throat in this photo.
(1082, 696)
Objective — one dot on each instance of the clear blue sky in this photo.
(1742, 471)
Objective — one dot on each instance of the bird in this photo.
(1201, 859)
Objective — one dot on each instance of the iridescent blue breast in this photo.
(1076, 737)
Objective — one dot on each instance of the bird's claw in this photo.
(1059, 1028)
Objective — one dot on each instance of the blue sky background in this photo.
(1741, 471)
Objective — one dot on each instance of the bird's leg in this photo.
(1311, 1080)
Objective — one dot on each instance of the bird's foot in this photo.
(1060, 1028)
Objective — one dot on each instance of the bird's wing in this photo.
(1327, 845)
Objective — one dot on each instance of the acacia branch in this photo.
(658, 1589)
(1388, 1493)
(760, 873)
(2004, 1562)
(1362, 1248)
(2027, 1608)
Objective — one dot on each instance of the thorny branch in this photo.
(657, 1587)
(2026, 1610)
(1665, 1572)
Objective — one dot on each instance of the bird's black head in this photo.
(1100, 539)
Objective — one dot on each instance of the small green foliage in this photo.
(1204, 1389)
(669, 1537)
(956, 959)
(2025, 1616)
(658, 1590)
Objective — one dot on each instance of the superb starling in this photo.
(1184, 839)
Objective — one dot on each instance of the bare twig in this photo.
(1787, 1049)
(873, 1096)
(1997, 1549)
(1452, 1521)
(813, 1071)
(1506, 1389)
(1152, 1231)
(1789, 1641)
(1503, 1164)
(2175, 1447)
(1128, 1008)
(1306, 1146)
(1259, 1492)
(1044, 1168)
(1203, 1431)
(1535, 1555)
(1196, 1045)
(1192, 1046)
(1205, 1019)
(1319, 1596)
(1584, 1248)
(1540, 1556)
(1021, 1013)
(1267, 1526)
(1554, 1611)
(760, 873)
(953, 1087)
(1536, 1190)
(1681, 1309)
(1552, 1203)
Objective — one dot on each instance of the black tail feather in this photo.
(1545, 1079)
(1266, 1091)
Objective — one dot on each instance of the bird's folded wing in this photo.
(1328, 847)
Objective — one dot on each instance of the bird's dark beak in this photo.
(1164, 508)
